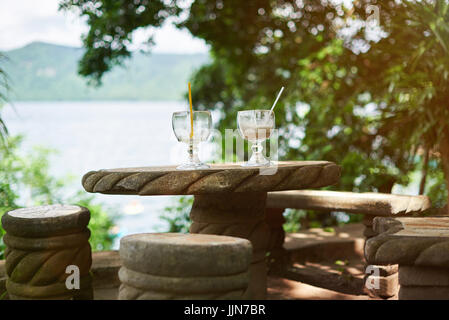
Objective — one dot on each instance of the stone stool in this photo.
(47, 252)
(421, 248)
(173, 266)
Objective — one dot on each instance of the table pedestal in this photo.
(239, 215)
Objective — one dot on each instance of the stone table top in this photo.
(410, 241)
(219, 178)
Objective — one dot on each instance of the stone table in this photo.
(228, 199)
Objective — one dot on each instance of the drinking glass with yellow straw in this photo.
(192, 128)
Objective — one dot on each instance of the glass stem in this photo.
(257, 148)
(193, 152)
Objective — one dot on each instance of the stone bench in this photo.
(420, 246)
(172, 266)
(45, 246)
(371, 205)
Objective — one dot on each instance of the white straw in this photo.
(277, 98)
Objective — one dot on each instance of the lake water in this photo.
(100, 135)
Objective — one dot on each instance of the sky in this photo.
(26, 21)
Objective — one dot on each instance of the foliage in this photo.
(296, 220)
(335, 123)
(111, 26)
(293, 220)
(4, 87)
(28, 175)
(339, 77)
(177, 215)
(436, 187)
(371, 96)
(21, 174)
(371, 105)
(100, 224)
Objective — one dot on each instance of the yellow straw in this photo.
(191, 112)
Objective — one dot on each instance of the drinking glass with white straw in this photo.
(256, 126)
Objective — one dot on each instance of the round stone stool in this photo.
(48, 255)
(173, 266)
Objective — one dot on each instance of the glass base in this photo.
(255, 164)
(193, 166)
(257, 160)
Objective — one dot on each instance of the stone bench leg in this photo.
(277, 253)
(380, 281)
(239, 215)
(423, 283)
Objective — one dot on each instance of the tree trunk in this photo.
(422, 185)
(444, 149)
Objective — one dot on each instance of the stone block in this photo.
(423, 276)
(424, 293)
(382, 286)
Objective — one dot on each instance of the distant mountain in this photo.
(42, 71)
